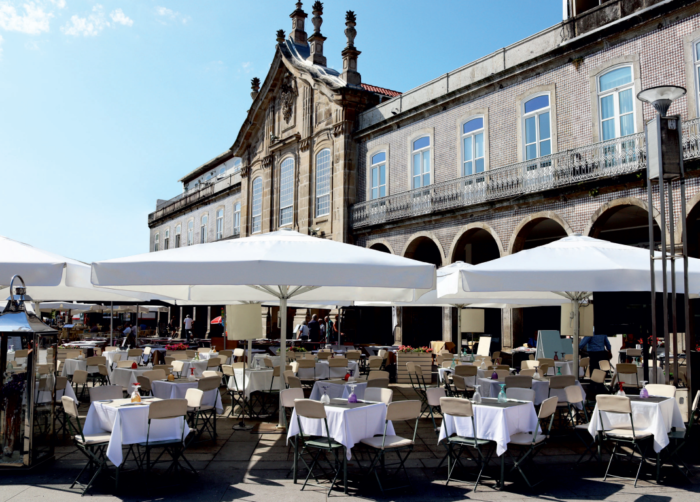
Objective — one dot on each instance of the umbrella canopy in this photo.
(36, 266)
(274, 266)
(65, 306)
(217, 320)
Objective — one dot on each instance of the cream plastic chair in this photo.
(520, 393)
(125, 364)
(307, 370)
(379, 395)
(529, 372)
(655, 389)
(628, 372)
(203, 350)
(324, 356)
(167, 409)
(105, 392)
(338, 367)
(433, 395)
(378, 383)
(178, 366)
(520, 381)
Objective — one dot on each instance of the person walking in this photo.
(303, 333)
(330, 330)
(322, 327)
(172, 327)
(314, 329)
(598, 347)
(188, 327)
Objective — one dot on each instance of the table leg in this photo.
(503, 471)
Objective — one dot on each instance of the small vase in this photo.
(556, 357)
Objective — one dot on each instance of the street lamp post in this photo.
(665, 164)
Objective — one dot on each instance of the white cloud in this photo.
(58, 3)
(33, 21)
(119, 17)
(32, 45)
(95, 23)
(166, 15)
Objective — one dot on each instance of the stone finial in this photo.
(316, 39)
(255, 86)
(298, 35)
(280, 36)
(350, 53)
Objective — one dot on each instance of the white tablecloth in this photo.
(630, 380)
(199, 367)
(261, 357)
(491, 388)
(128, 425)
(346, 425)
(70, 365)
(337, 390)
(323, 371)
(127, 377)
(442, 372)
(177, 390)
(44, 397)
(112, 358)
(493, 422)
(255, 380)
(649, 415)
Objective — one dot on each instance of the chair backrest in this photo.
(448, 364)
(613, 404)
(287, 374)
(194, 397)
(634, 352)
(69, 406)
(135, 353)
(375, 364)
(104, 392)
(168, 408)
(502, 374)
(209, 383)
(227, 369)
(520, 393)
(110, 349)
(546, 360)
(144, 382)
(124, 364)
(496, 355)
(378, 382)
(418, 371)
(169, 359)
(655, 389)
(95, 361)
(520, 381)
(403, 410)
(180, 355)
(164, 368)
(210, 373)
(626, 369)
(190, 353)
(268, 362)
(214, 362)
(527, 364)
(548, 407)
(238, 352)
(178, 365)
(604, 365)
(324, 355)
(574, 394)
(294, 382)
(306, 363)
(456, 407)
(584, 363)
(528, 372)
(288, 396)
(306, 408)
(433, 395)
(598, 376)
(466, 370)
(380, 395)
(158, 374)
(22, 353)
(568, 357)
(225, 353)
(102, 369)
(377, 374)
(116, 358)
(204, 349)
(80, 376)
(543, 369)
(353, 355)
(561, 381)
(338, 362)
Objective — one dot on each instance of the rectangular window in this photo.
(190, 233)
(257, 205)
(287, 192)
(237, 218)
(378, 176)
(203, 230)
(155, 246)
(166, 241)
(323, 183)
(473, 147)
(177, 240)
(615, 89)
(219, 224)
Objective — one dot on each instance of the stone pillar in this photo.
(316, 39)
(507, 328)
(208, 322)
(446, 324)
(298, 35)
(350, 53)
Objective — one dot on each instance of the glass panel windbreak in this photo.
(257, 205)
(287, 192)
(323, 182)
(48, 391)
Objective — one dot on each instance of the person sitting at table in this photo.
(598, 349)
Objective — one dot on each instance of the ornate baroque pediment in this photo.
(288, 95)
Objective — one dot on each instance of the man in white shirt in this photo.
(188, 326)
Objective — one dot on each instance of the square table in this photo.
(336, 390)
(491, 388)
(126, 377)
(443, 372)
(164, 389)
(348, 423)
(200, 366)
(255, 380)
(128, 425)
(323, 371)
(656, 415)
(112, 358)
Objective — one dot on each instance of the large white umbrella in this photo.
(449, 283)
(574, 267)
(275, 266)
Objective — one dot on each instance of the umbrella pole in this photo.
(577, 314)
(111, 323)
(459, 329)
(283, 350)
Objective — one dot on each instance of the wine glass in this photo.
(324, 398)
(352, 398)
(476, 398)
(502, 398)
(644, 393)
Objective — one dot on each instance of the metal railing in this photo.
(609, 158)
(193, 196)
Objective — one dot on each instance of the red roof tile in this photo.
(380, 90)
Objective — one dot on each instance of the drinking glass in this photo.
(644, 393)
(502, 398)
(476, 398)
(352, 398)
(324, 398)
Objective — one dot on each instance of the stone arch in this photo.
(381, 242)
(531, 220)
(623, 201)
(415, 240)
(470, 228)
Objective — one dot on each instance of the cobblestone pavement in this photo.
(256, 466)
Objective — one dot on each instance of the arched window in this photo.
(190, 232)
(473, 156)
(256, 222)
(420, 176)
(157, 242)
(166, 241)
(377, 172)
(323, 182)
(616, 101)
(203, 229)
(538, 133)
(219, 224)
(178, 233)
(287, 192)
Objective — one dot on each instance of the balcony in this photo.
(601, 160)
(192, 197)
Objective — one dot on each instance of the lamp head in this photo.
(661, 97)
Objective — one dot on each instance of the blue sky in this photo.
(105, 105)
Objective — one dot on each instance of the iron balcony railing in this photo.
(600, 160)
(191, 197)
